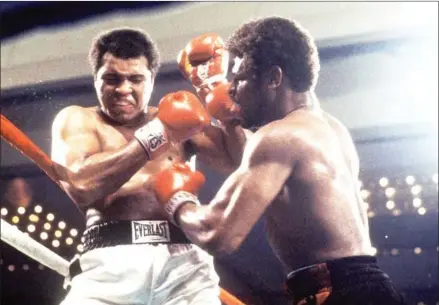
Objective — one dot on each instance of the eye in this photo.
(111, 79)
(137, 79)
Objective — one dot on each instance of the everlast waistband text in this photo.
(150, 231)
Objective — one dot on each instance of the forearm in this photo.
(104, 173)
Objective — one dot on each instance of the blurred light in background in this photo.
(422, 211)
(410, 180)
(38, 209)
(390, 204)
(364, 194)
(31, 228)
(384, 182)
(394, 252)
(80, 248)
(416, 189)
(62, 225)
(396, 212)
(58, 233)
(34, 218)
(417, 202)
(390, 192)
(417, 250)
(73, 232)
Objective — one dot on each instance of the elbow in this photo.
(81, 194)
(211, 233)
(221, 243)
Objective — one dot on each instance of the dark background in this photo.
(406, 241)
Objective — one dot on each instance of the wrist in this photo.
(176, 202)
(153, 137)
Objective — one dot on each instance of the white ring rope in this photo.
(30, 247)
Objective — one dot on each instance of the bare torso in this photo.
(135, 200)
(319, 214)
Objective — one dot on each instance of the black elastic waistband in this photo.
(334, 275)
(127, 232)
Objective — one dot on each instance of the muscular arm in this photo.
(223, 225)
(93, 174)
(221, 148)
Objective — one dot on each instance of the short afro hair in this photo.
(278, 41)
(124, 43)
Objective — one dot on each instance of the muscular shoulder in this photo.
(277, 141)
(75, 118)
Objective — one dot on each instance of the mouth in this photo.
(122, 104)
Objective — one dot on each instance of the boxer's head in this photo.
(272, 55)
(124, 63)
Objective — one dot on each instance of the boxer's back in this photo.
(318, 215)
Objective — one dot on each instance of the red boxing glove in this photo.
(220, 105)
(183, 114)
(180, 116)
(204, 61)
(177, 185)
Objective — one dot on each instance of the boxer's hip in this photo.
(118, 242)
(142, 254)
(132, 232)
(336, 279)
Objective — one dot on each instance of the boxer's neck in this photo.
(291, 101)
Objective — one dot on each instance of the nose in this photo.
(124, 87)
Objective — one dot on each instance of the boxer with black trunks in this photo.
(300, 169)
(132, 253)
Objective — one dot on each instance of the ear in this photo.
(275, 77)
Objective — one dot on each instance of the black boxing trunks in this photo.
(353, 280)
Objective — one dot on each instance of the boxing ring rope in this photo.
(27, 245)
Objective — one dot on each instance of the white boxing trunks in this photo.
(141, 265)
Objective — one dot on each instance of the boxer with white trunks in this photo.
(132, 253)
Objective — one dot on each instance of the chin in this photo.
(250, 124)
(119, 118)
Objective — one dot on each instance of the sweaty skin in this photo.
(133, 200)
(110, 177)
(318, 214)
(302, 172)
